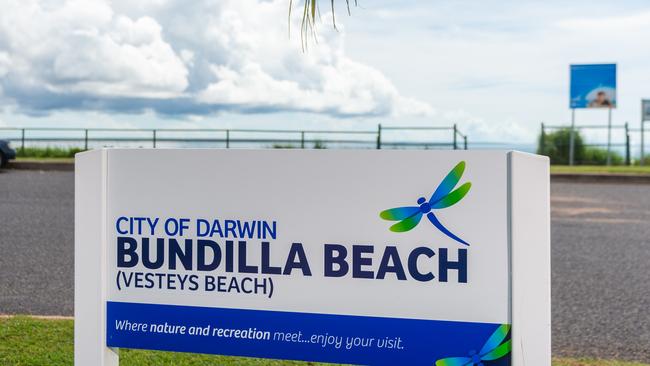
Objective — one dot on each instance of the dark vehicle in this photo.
(6, 153)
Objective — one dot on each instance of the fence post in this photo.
(22, 141)
(455, 142)
(627, 145)
(542, 141)
(227, 139)
(154, 138)
(86, 139)
(465, 141)
(302, 139)
(379, 136)
(641, 162)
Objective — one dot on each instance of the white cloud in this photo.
(84, 48)
(180, 58)
(617, 23)
(4, 63)
(342, 91)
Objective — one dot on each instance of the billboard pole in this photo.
(572, 135)
(642, 132)
(609, 136)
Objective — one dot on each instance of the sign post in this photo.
(572, 137)
(609, 136)
(592, 86)
(357, 257)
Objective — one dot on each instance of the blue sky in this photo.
(496, 68)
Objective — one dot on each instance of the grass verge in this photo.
(44, 160)
(28, 341)
(601, 169)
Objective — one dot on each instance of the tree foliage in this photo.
(556, 144)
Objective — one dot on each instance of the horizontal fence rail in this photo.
(396, 137)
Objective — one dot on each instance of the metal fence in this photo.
(612, 147)
(392, 137)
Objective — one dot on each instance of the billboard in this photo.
(356, 257)
(593, 86)
(645, 106)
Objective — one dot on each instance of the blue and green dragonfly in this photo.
(494, 349)
(443, 197)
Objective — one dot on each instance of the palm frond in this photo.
(308, 23)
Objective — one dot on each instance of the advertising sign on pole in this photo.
(356, 257)
(593, 86)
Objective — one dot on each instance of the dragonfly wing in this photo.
(453, 197)
(498, 352)
(454, 361)
(399, 213)
(434, 220)
(407, 224)
(495, 339)
(449, 182)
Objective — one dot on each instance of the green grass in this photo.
(596, 169)
(27, 341)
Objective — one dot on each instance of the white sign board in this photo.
(361, 257)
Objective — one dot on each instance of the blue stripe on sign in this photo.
(296, 336)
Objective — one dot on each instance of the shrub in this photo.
(555, 145)
(318, 144)
(47, 152)
(597, 156)
(283, 146)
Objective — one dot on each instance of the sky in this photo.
(495, 68)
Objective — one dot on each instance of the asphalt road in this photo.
(600, 243)
(36, 242)
(600, 265)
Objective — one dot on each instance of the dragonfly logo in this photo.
(443, 197)
(494, 349)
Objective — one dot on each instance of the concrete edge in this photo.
(601, 178)
(41, 165)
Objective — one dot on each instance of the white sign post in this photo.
(358, 257)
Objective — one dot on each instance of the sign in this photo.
(645, 107)
(593, 86)
(356, 257)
